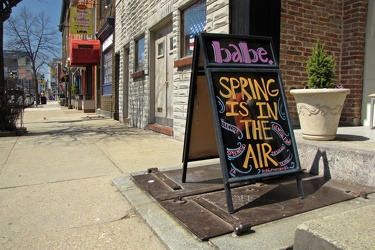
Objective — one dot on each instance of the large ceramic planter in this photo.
(319, 111)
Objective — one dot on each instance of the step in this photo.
(354, 229)
(351, 161)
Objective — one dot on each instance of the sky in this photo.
(51, 8)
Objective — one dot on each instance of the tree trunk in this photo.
(37, 97)
(2, 77)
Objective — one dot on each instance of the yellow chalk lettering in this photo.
(223, 82)
(262, 159)
(244, 84)
(274, 92)
(234, 84)
(265, 128)
(266, 155)
(247, 125)
(260, 108)
(250, 155)
(272, 113)
(232, 106)
(243, 109)
(261, 89)
(256, 130)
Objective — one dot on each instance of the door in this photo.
(369, 73)
(125, 87)
(248, 18)
(164, 77)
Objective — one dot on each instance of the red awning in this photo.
(84, 52)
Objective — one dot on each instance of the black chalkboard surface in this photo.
(237, 90)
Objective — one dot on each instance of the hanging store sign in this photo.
(81, 20)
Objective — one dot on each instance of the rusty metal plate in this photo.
(272, 202)
(200, 221)
(168, 184)
(163, 187)
(201, 206)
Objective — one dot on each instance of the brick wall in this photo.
(352, 63)
(340, 25)
(107, 102)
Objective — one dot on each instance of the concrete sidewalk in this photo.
(56, 188)
(62, 186)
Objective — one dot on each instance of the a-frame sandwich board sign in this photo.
(237, 111)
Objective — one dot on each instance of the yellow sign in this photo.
(81, 20)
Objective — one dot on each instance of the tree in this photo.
(5, 11)
(8, 116)
(33, 34)
(320, 68)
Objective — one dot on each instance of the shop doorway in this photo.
(369, 74)
(248, 18)
(125, 82)
(163, 77)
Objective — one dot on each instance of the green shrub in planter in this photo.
(320, 68)
(75, 89)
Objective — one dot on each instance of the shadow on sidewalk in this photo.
(84, 129)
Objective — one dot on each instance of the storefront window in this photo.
(193, 22)
(140, 55)
(107, 72)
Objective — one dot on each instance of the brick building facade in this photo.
(107, 88)
(339, 24)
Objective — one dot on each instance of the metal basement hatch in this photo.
(200, 204)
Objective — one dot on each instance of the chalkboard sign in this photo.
(237, 91)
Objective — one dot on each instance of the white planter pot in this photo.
(319, 111)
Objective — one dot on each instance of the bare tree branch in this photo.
(32, 33)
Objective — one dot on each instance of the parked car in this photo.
(29, 100)
(15, 97)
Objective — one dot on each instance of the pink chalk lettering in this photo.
(239, 53)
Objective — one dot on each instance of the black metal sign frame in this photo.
(240, 78)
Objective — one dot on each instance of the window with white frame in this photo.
(107, 72)
(140, 54)
(193, 22)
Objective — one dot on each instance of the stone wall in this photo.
(217, 22)
(131, 23)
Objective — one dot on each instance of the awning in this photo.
(84, 52)
(107, 29)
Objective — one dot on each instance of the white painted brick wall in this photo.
(135, 18)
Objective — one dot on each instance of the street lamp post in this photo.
(68, 101)
(66, 91)
(70, 96)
